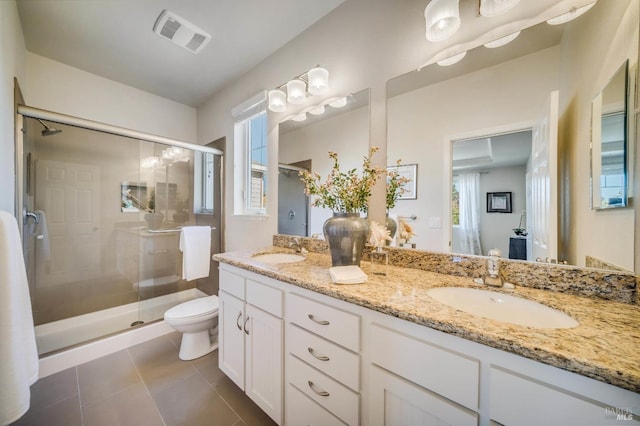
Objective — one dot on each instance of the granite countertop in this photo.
(605, 345)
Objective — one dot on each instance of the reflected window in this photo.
(250, 156)
(455, 203)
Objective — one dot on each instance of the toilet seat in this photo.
(195, 309)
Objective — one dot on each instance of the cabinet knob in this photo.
(319, 392)
(321, 322)
(318, 357)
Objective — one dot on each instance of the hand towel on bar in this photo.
(195, 244)
(347, 275)
(18, 351)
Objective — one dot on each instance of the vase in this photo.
(154, 220)
(346, 234)
(392, 227)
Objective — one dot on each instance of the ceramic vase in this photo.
(346, 234)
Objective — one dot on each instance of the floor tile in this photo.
(207, 366)
(193, 402)
(103, 377)
(133, 406)
(53, 389)
(62, 413)
(249, 412)
(158, 363)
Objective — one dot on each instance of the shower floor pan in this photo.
(72, 331)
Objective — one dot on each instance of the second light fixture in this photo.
(315, 82)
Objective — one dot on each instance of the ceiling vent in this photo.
(181, 32)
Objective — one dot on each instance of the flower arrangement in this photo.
(395, 186)
(406, 231)
(345, 192)
(520, 231)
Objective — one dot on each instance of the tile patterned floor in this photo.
(145, 385)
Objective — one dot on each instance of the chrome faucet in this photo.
(493, 276)
(296, 244)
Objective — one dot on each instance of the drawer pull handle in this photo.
(245, 326)
(238, 321)
(319, 392)
(318, 357)
(321, 322)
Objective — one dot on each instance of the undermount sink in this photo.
(502, 307)
(278, 258)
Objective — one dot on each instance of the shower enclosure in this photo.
(102, 210)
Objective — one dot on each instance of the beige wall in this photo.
(12, 64)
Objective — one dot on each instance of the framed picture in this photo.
(498, 202)
(410, 171)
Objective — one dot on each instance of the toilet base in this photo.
(195, 345)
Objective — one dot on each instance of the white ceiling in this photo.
(115, 39)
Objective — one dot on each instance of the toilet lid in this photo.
(193, 308)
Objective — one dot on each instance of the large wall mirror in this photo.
(517, 119)
(609, 143)
(306, 144)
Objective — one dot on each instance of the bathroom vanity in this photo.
(385, 352)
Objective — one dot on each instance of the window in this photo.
(250, 143)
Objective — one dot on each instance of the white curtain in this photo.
(469, 190)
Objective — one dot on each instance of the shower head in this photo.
(48, 130)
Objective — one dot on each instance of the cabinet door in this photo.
(231, 349)
(395, 401)
(264, 343)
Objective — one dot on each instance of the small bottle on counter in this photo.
(379, 261)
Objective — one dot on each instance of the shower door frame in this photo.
(31, 112)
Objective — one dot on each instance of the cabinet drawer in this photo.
(301, 410)
(336, 398)
(444, 372)
(265, 297)
(338, 326)
(331, 359)
(232, 284)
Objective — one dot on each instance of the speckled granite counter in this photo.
(605, 346)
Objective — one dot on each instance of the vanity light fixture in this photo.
(313, 82)
(491, 8)
(316, 110)
(452, 59)
(296, 91)
(337, 102)
(570, 15)
(502, 40)
(277, 100)
(442, 19)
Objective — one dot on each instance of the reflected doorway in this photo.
(488, 165)
(293, 204)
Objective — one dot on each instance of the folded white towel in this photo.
(195, 244)
(351, 274)
(18, 352)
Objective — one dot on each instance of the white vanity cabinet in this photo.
(345, 364)
(322, 363)
(251, 337)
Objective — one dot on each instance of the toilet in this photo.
(197, 320)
